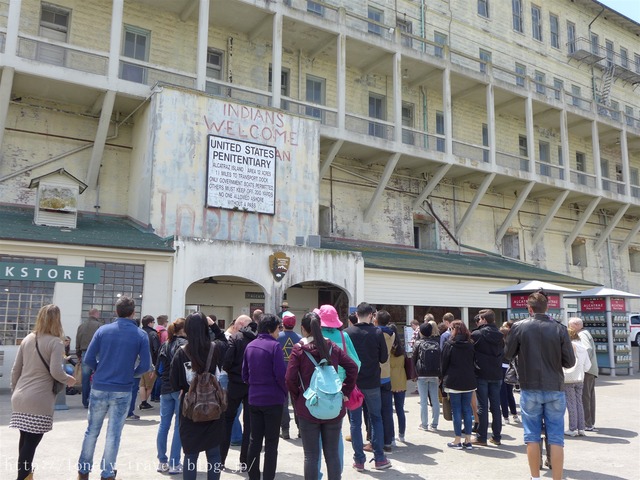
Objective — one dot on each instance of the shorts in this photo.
(536, 405)
(147, 380)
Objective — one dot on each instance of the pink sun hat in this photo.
(328, 316)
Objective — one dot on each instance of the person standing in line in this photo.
(84, 335)
(573, 384)
(188, 361)
(148, 380)
(371, 347)
(543, 348)
(426, 360)
(447, 318)
(382, 319)
(135, 386)
(169, 401)
(38, 364)
(315, 432)
(459, 380)
(263, 370)
(163, 336)
(589, 384)
(113, 353)
(398, 381)
(287, 339)
(507, 399)
(488, 343)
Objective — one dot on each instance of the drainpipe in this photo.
(609, 256)
(425, 124)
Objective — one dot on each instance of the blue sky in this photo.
(630, 8)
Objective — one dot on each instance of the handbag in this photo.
(446, 408)
(410, 368)
(511, 375)
(356, 397)
(57, 386)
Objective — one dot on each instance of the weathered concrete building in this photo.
(416, 155)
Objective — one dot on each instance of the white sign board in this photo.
(241, 175)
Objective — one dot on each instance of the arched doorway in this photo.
(305, 296)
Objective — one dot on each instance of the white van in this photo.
(634, 328)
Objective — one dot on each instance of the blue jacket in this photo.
(113, 353)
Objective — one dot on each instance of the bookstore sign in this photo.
(48, 273)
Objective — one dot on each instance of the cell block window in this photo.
(511, 245)
(117, 279)
(377, 16)
(483, 8)
(405, 27)
(377, 109)
(440, 39)
(634, 259)
(440, 131)
(424, 234)
(540, 79)
(595, 44)
(408, 110)
(315, 7)
(516, 15)
(135, 46)
(558, 87)
(544, 152)
(214, 70)
(579, 253)
(624, 57)
(521, 74)
(485, 59)
(609, 49)
(21, 300)
(536, 23)
(54, 25)
(485, 142)
(315, 93)
(571, 37)
(554, 30)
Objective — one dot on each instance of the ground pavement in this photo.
(613, 453)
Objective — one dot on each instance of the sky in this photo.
(629, 8)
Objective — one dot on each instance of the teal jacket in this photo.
(333, 334)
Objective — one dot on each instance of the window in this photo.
(407, 121)
(540, 82)
(561, 162)
(634, 266)
(516, 12)
(284, 81)
(619, 179)
(604, 171)
(576, 94)
(511, 245)
(136, 46)
(609, 49)
(54, 25)
(558, 87)
(579, 253)
(324, 221)
(377, 109)
(315, 7)
(595, 44)
(315, 93)
(20, 301)
(521, 74)
(440, 131)
(624, 57)
(628, 114)
(439, 39)
(485, 58)
(615, 110)
(581, 166)
(405, 28)
(523, 148)
(483, 8)
(116, 279)
(536, 22)
(377, 16)
(554, 26)
(637, 62)
(214, 70)
(634, 177)
(571, 37)
(424, 234)
(485, 142)
(544, 153)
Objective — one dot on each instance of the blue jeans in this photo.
(86, 383)
(507, 400)
(536, 405)
(134, 396)
(374, 407)
(190, 465)
(386, 396)
(398, 401)
(488, 395)
(236, 430)
(461, 409)
(169, 409)
(428, 387)
(116, 405)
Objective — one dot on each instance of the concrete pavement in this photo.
(613, 453)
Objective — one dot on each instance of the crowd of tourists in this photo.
(240, 387)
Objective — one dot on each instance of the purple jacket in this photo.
(263, 369)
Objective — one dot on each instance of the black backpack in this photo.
(429, 358)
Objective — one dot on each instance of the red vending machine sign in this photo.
(593, 305)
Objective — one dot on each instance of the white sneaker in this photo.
(515, 419)
(432, 428)
(175, 470)
(571, 433)
(581, 433)
(422, 427)
(163, 467)
(400, 438)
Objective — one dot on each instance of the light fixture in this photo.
(210, 280)
(405, 74)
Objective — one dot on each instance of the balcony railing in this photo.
(510, 160)
(326, 116)
(470, 151)
(582, 178)
(546, 169)
(423, 140)
(238, 93)
(613, 186)
(62, 54)
(370, 126)
(144, 72)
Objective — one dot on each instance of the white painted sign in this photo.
(241, 175)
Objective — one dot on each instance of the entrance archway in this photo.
(305, 296)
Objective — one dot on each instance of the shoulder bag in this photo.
(356, 397)
(57, 386)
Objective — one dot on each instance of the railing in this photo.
(370, 126)
(422, 139)
(368, 25)
(143, 72)
(470, 62)
(3, 40)
(613, 186)
(577, 101)
(635, 191)
(582, 178)
(62, 54)
(326, 116)
(607, 111)
(546, 169)
(513, 161)
(238, 93)
(470, 151)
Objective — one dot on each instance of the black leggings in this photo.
(26, 451)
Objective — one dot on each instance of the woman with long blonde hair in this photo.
(38, 363)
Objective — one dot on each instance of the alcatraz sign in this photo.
(241, 175)
(48, 273)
